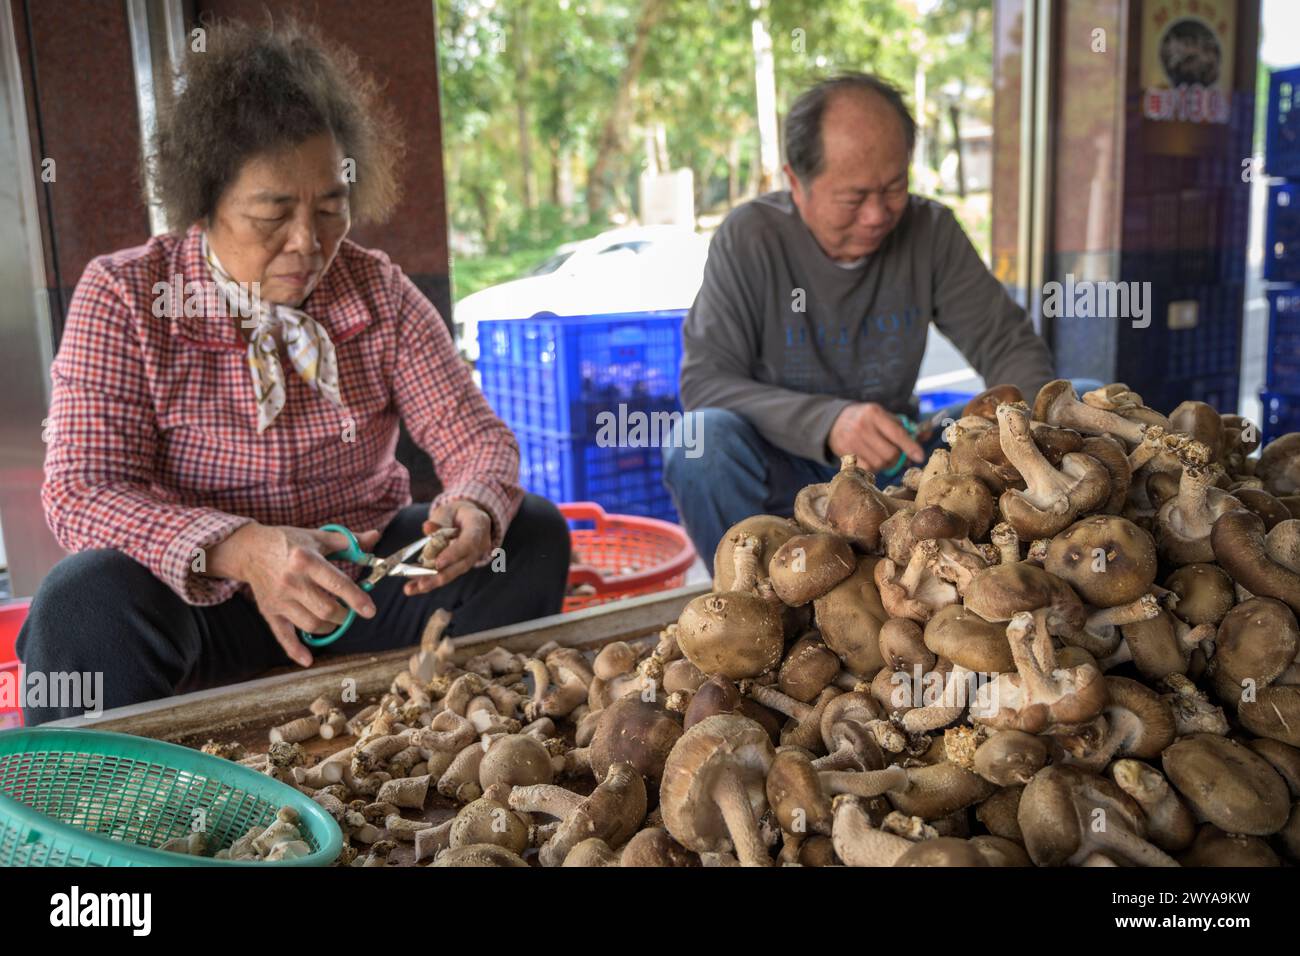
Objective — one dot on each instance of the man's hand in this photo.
(292, 583)
(874, 434)
(465, 550)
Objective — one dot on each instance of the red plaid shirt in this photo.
(153, 444)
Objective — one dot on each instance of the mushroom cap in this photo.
(940, 788)
(479, 854)
(517, 760)
(1279, 465)
(942, 851)
(592, 851)
(855, 707)
(795, 793)
(613, 812)
(1257, 640)
(810, 508)
(849, 618)
(1056, 810)
(968, 640)
(1202, 422)
(809, 565)
(681, 674)
(1283, 543)
(808, 667)
(634, 731)
(1003, 590)
(1205, 593)
(771, 532)
(486, 820)
(1213, 847)
(717, 695)
(1240, 548)
(1156, 730)
(817, 850)
(1284, 758)
(653, 846)
(933, 521)
(998, 813)
(1275, 713)
(985, 404)
(902, 645)
(1010, 757)
(1125, 552)
(854, 508)
(962, 495)
(723, 744)
(1114, 458)
(1000, 851)
(1227, 784)
(1270, 509)
(733, 634)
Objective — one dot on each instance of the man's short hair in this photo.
(804, 148)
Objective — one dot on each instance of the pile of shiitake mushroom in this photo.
(1070, 639)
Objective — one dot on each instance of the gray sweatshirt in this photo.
(786, 337)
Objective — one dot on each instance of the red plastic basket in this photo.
(621, 556)
(12, 615)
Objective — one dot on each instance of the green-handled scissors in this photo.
(380, 568)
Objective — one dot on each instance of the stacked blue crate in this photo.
(575, 389)
(1281, 401)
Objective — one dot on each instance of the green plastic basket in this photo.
(92, 798)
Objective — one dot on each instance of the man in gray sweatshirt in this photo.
(806, 337)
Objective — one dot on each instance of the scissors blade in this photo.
(396, 563)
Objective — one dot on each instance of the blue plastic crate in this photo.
(622, 480)
(1281, 415)
(1282, 233)
(1282, 124)
(559, 373)
(932, 402)
(1283, 360)
(552, 379)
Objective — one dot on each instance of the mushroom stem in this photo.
(745, 556)
(1007, 541)
(545, 798)
(858, 843)
(1143, 609)
(1130, 846)
(1058, 404)
(1045, 486)
(917, 565)
(773, 699)
(1151, 445)
(864, 783)
(738, 815)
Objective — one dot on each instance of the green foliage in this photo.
(554, 67)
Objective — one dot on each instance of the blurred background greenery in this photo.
(552, 109)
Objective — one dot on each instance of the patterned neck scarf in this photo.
(305, 340)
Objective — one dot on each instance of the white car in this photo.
(630, 269)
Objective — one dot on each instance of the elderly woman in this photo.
(223, 391)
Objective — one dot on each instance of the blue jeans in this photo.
(744, 474)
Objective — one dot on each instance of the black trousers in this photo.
(100, 611)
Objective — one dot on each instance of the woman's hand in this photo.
(465, 550)
(874, 434)
(292, 583)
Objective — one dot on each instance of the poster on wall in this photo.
(1187, 64)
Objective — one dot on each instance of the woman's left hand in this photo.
(465, 550)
